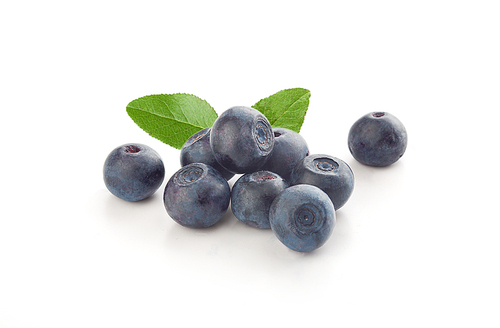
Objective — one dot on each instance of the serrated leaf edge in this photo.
(159, 137)
(128, 108)
(170, 94)
(288, 108)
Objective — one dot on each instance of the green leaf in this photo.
(171, 118)
(286, 108)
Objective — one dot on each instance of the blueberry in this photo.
(241, 139)
(289, 149)
(302, 217)
(377, 139)
(197, 196)
(197, 150)
(252, 196)
(133, 172)
(330, 174)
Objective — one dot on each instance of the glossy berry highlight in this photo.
(289, 149)
(330, 174)
(302, 217)
(197, 150)
(133, 172)
(196, 196)
(241, 140)
(377, 139)
(252, 196)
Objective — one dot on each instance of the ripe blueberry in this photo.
(252, 195)
(133, 172)
(289, 149)
(330, 174)
(197, 196)
(241, 139)
(302, 217)
(197, 150)
(377, 139)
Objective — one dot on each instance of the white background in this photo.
(416, 245)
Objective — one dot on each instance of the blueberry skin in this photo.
(252, 195)
(330, 174)
(289, 149)
(241, 139)
(302, 217)
(377, 139)
(133, 172)
(197, 196)
(197, 150)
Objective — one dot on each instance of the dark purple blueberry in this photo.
(302, 217)
(289, 149)
(377, 139)
(252, 196)
(241, 140)
(133, 172)
(197, 196)
(197, 150)
(330, 174)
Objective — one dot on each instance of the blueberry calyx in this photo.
(202, 133)
(263, 176)
(305, 217)
(132, 149)
(190, 174)
(262, 135)
(325, 164)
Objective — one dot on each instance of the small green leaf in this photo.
(171, 118)
(286, 108)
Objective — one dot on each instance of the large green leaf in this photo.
(171, 118)
(286, 108)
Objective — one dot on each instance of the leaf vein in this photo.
(288, 108)
(146, 112)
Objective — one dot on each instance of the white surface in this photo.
(416, 245)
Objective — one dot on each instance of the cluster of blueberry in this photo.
(282, 186)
